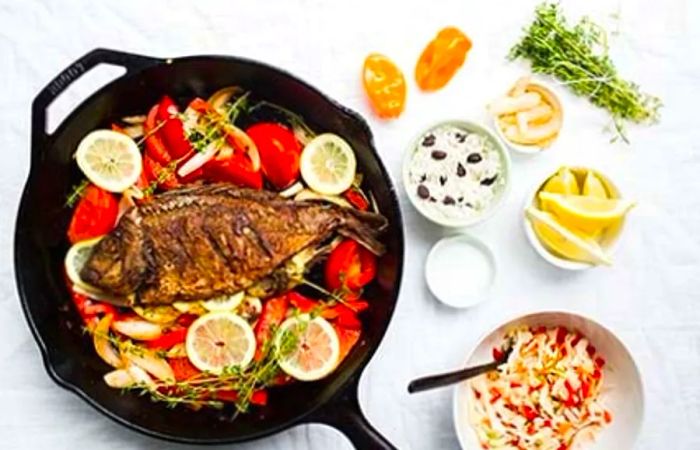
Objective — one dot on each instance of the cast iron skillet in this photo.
(40, 246)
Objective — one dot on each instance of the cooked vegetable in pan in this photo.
(219, 250)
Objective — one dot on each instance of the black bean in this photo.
(474, 158)
(448, 200)
(438, 154)
(428, 141)
(461, 137)
(469, 205)
(461, 199)
(461, 171)
(433, 199)
(489, 181)
(443, 180)
(423, 191)
(423, 178)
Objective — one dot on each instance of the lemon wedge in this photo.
(588, 214)
(562, 242)
(593, 186)
(564, 182)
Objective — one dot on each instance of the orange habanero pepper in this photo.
(441, 59)
(385, 85)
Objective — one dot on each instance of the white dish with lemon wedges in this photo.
(575, 217)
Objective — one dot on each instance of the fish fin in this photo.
(365, 227)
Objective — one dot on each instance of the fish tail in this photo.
(365, 228)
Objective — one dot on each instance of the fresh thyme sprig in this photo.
(164, 174)
(336, 296)
(578, 57)
(76, 193)
(202, 389)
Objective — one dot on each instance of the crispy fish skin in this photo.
(202, 242)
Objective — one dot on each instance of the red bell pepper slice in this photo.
(529, 413)
(347, 338)
(356, 199)
(279, 153)
(183, 368)
(302, 303)
(89, 309)
(172, 131)
(168, 339)
(273, 313)
(155, 148)
(95, 214)
(258, 397)
(118, 128)
(156, 173)
(350, 266)
(185, 320)
(561, 335)
(235, 169)
(496, 353)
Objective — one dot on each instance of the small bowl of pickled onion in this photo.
(529, 117)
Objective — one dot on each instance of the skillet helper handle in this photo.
(446, 379)
(131, 62)
(344, 414)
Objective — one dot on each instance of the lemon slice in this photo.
(593, 186)
(309, 348)
(588, 214)
(564, 182)
(218, 340)
(109, 159)
(328, 164)
(225, 303)
(562, 242)
(76, 258)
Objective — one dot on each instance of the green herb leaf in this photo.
(578, 56)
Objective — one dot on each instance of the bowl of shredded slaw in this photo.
(569, 383)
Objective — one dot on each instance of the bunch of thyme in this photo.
(578, 57)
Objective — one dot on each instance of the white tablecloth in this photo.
(650, 297)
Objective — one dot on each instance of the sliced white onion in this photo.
(104, 348)
(140, 330)
(198, 160)
(219, 98)
(149, 361)
(141, 377)
(243, 141)
(119, 379)
(134, 120)
(292, 190)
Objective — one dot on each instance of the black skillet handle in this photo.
(343, 413)
(131, 62)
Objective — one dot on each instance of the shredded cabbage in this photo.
(546, 396)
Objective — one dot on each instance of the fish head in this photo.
(117, 263)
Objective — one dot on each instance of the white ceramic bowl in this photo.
(531, 149)
(486, 213)
(457, 257)
(610, 240)
(623, 392)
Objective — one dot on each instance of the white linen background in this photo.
(649, 297)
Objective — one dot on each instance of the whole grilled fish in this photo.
(203, 242)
